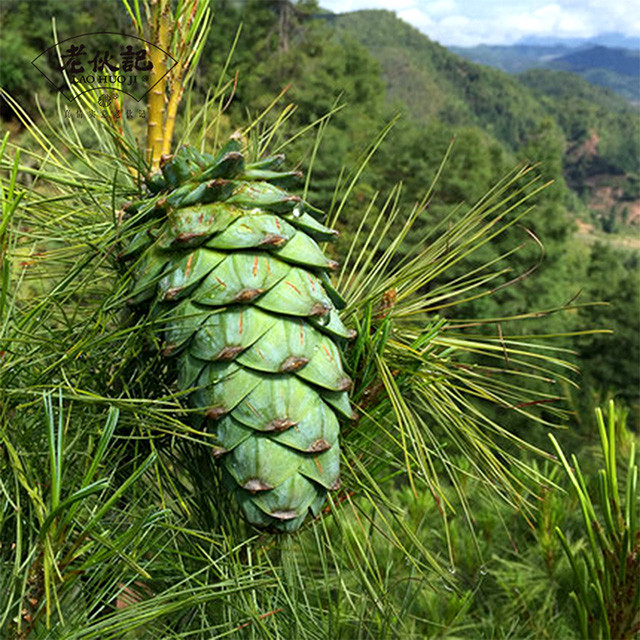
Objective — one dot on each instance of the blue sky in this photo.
(470, 22)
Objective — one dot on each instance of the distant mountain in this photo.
(625, 62)
(614, 68)
(614, 40)
(433, 82)
(599, 129)
(513, 58)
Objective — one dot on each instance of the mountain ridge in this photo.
(607, 39)
(597, 128)
(614, 68)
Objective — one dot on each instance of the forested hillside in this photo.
(611, 66)
(586, 138)
(433, 82)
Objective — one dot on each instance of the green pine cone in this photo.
(228, 265)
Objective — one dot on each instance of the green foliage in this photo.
(596, 132)
(15, 75)
(605, 66)
(623, 85)
(135, 513)
(584, 112)
(606, 591)
(433, 82)
(27, 33)
(612, 68)
(77, 532)
(610, 361)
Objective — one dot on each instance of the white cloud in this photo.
(550, 19)
(470, 22)
(343, 6)
(419, 19)
(438, 8)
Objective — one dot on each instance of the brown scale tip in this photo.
(169, 350)
(232, 155)
(333, 265)
(283, 514)
(255, 484)
(246, 295)
(320, 309)
(215, 412)
(218, 452)
(319, 446)
(172, 293)
(123, 258)
(344, 384)
(229, 353)
(165, 158)
(293, 363)
(336, 485)
(280, 424)
(273, 240)
(352, 333)
(187, 237)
